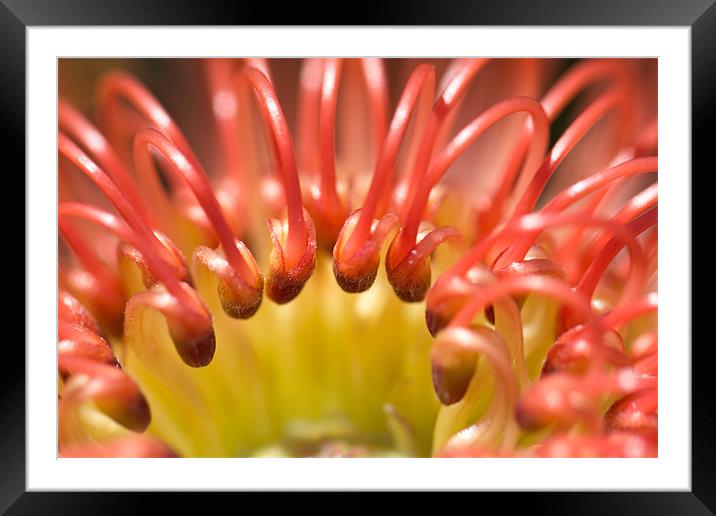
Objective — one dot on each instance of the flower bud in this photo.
(196, 348)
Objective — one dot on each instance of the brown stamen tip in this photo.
(357, 272)
(356, 278)
(241, 302)
(194, 350)
(131, 412)
(195, 340)
(451, 383)
(239, 299)
(410, 278)
(284, 284)
(188, 320)
(453, 366)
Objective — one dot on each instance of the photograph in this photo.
(357, 257)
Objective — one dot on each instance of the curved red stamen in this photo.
(89, 260)
(309, 102)
(454, 358)
(637, 205)
(569, 139)
(589, 281)
(296, 237)
(331, 211)
(599, 180)
(193, 339)
(377, 85)
(119, 228)
(121, 85)
(410, 278)
(104, 292)
(110, 222)
(458, 146)
(286, 282)
(556, 289)
(420, 85)
(582, 76)
(224, 106)
(329, 207)
(581, 189)
(150, 138)
(109, 388)
(357, 272)
(451, 95)
(627, 312)
(146, 241)
(578, 79)
(506, 288)
(536, 222)
(73, 124)
(645, 145)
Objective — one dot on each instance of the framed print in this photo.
(417, 254)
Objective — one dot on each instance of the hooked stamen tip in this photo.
(357, 271)
(451, 384)
(284, 284)
(453, 366)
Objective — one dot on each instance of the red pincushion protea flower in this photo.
(532, 332)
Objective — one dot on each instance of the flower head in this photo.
(530, 332)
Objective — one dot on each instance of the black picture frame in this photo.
(17, 15)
